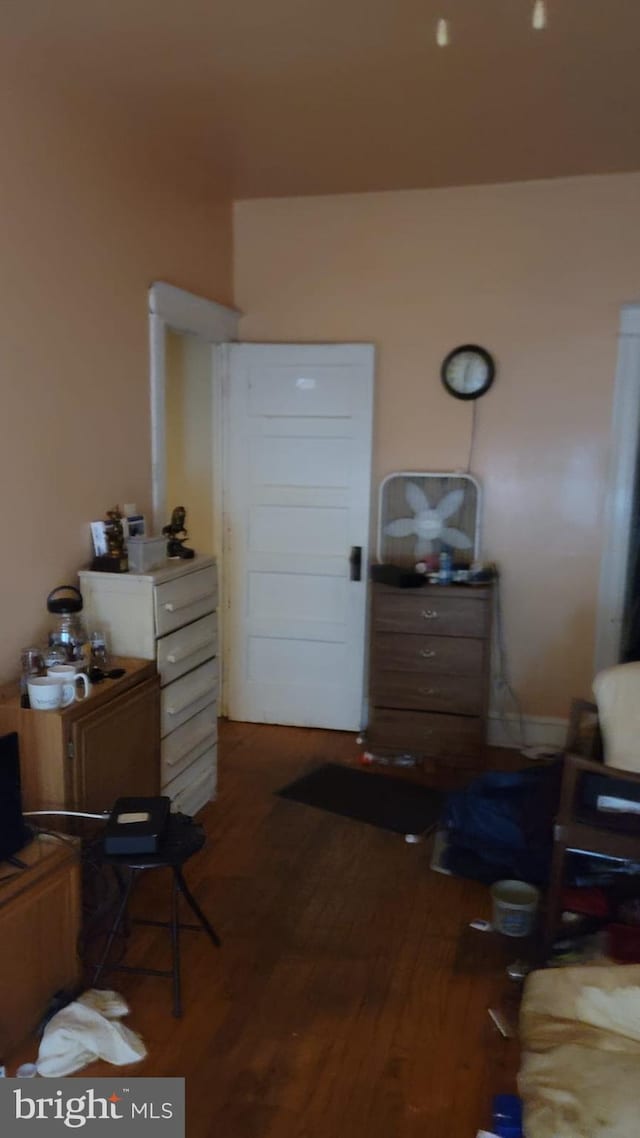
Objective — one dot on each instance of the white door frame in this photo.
(623, 459)
(174, 308)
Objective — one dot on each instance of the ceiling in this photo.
(279, 97)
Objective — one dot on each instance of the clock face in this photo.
(468, 371)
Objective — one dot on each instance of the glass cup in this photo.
(32, 664)
(99, 650)
(55, 654)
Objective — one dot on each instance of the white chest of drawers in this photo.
(169, 615)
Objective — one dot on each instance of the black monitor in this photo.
(13, 831)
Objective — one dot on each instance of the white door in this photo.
(297, 500)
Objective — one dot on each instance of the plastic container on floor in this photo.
(514, 907)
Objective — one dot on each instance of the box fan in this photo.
(422, 513)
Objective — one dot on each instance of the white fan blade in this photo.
(455, 538)
(416, 498)
(450, 504)
(403, 527)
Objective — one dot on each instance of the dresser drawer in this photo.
(184, 745)
(417, 613)
(195, 786)
(184, 599)
(183, 698)
(454, 739)
(460, 695)
(454, 654)
(183, 650)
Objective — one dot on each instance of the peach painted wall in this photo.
(537, 273)
(90, 217)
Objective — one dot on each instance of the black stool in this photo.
(182, 839)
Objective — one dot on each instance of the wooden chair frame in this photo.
(572, 834)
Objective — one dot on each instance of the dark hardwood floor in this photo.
(349, 999)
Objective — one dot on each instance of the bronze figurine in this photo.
(177, 534)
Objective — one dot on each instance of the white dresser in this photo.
(169, 615)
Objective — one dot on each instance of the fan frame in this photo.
(460, 474)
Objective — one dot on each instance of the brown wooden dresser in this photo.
(429, 673)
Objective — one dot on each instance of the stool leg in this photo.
(193, 904)
(122, 877)
(122, 909)
(175, 945)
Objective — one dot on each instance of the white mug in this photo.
(45, 693)
(67, 676)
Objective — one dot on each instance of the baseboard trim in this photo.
(539, 731)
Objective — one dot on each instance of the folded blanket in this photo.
(580, 1031)
(85, 1030)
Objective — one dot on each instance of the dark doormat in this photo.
(389, 803)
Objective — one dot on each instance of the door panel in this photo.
(301, 385)
(116, 749)
(290, 529)
(301, 596)
(301, 462)
(299, 486)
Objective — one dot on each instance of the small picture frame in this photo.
(99, 538)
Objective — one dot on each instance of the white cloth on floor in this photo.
(85, 1030)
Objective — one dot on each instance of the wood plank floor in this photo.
(349, 997)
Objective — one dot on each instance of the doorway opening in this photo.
(268, 447)
(618, 616)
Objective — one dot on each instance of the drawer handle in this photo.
(429, 614)
(428, 691)
(184, 706)
(176, 606)
(427, 653)
(205, 736)
(177, 657)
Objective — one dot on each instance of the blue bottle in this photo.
(446, 569)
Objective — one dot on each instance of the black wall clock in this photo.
(468, 371)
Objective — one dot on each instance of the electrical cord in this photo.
(67, 814)
(472, 440)
(505, 691)
(101, 890)
(502, 682)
